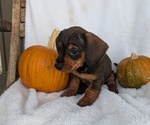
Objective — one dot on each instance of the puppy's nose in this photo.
(58, 65)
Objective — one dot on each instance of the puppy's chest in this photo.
(85, 75)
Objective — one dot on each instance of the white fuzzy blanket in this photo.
(123, 24)
(22, 106)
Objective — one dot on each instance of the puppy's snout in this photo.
(58, 65)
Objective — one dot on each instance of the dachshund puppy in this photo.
(83, 55)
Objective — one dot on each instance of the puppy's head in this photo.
(76, 47)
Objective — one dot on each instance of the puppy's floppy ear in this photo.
(95, 49)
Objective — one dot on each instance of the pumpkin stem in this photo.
(134, 56)
(51, 42)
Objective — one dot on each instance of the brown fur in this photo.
(83, 55)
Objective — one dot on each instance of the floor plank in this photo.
(2, 83)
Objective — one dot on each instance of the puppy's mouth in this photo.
(68, 68)
(61, 68)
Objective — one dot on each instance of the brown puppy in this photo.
(83, 55)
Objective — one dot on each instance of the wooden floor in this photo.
(2, 83)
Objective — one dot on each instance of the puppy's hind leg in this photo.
(111, 83)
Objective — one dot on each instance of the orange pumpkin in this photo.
(134, 71)
(36, 69)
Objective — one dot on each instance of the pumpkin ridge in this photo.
(135, 70)
(52, 79)
(23, 72)
(45, 78)
(140, 64)
(129, 72)
(39, 66)
(51, 61)
(34, 62)
(31, 64)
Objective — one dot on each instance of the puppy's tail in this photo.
(116, 64)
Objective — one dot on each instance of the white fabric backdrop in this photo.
(123, 24)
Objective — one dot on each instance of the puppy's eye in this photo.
(74, 53)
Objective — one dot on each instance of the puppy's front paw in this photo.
(69, 92)
(85, 101)
(89, 98)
